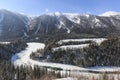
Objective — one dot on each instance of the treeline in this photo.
(9, 72)
(7, 50)
(73, 43)
(36, 73)
(58, 35)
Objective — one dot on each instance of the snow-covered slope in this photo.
(73, 17)
(70, 47)
(4, 42)
(74, 23)
(23, 58)
(97, 40)
(13, 25)
(1, 17)
(110, 13)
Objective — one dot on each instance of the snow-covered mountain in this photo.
(12, 25)
(110, 13)
(16, 25)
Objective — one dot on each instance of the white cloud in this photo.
(46, 10)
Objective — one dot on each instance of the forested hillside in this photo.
(105, 54)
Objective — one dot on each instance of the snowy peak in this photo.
(54, 14)
(110, 13)
(58, 13)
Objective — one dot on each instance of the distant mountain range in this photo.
(15, 25)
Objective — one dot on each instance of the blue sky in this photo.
(36, 7)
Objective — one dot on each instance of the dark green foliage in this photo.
(7, 50)
(9, 72)
(37, 55)
(106, 54)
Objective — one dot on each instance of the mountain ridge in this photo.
(15, 25)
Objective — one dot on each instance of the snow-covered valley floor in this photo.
(23, 58)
